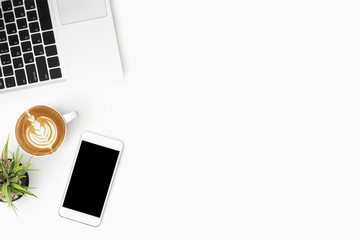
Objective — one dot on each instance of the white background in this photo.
(240, 120)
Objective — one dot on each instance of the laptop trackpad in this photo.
(72, 11)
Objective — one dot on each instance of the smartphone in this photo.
(88, 187)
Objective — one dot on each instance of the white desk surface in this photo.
(240, 121)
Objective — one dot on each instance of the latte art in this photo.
(42, 132)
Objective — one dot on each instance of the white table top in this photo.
(240, 120)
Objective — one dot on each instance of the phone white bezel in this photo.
(80, 216)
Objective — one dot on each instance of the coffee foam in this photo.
(40, 130)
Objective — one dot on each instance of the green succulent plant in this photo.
(12, 176)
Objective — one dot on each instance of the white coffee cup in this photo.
(41, 130)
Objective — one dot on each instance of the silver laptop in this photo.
(49, 41)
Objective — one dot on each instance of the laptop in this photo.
(55, 41)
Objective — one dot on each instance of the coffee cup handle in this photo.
(70, 116)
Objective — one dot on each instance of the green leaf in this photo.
(3, 169)
(17, 169)
(18, 193)
(12, 164)
(4, 155)
(6, 191)
(22, 171)
(3, 188)
(19, 160)
(17, 152)
(21, 189)
(27, 164)
(14, 180)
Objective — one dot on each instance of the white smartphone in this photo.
(96, 160)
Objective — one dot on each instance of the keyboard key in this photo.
(2, 25)
(5, 59)
(18, 63)
(24, 35)
(20, 77)
(28, 58)
(17, 2)
(36, 38)
(38, 50)
(31, 73)
(0, 73)
(26, 46)
(9, 17)
(10, 82)
(2, 86)
(6, 6)
(2, 36)
(30, 4)
(15, 51)
(31, 16)
(13, 40)
(42, 68)
(21, 23)
(20, 12)
(51, 51)
(8, 71)
(11, 28)
(44, 14)
(4, 48)
(55, 73)
(34, 27)
(53, 62)
(1, 15)
(49, 37)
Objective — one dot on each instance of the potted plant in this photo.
(14, 177)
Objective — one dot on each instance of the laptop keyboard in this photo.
(28, 54)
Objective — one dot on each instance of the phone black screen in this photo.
(90, 179)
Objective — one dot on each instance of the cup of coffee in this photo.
(41, 130)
